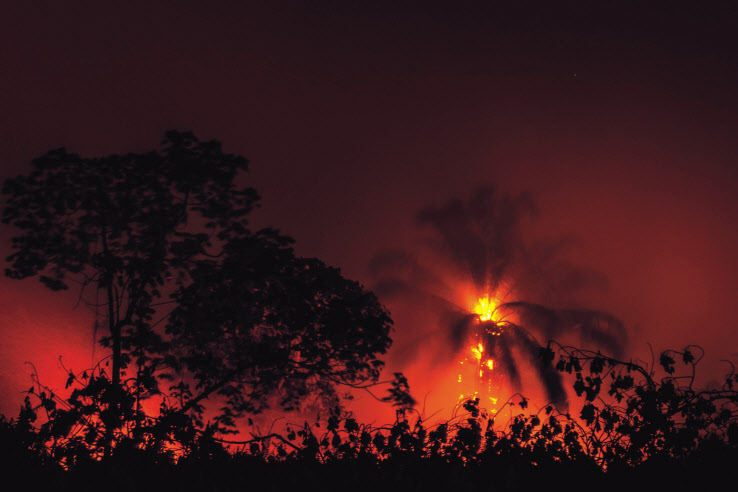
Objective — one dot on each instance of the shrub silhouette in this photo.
(637, 426)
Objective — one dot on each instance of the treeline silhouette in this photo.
(636, 427)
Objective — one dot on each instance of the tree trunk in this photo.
(115, 335)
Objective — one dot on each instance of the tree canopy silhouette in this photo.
(164, 236)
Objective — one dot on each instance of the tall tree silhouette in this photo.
(165, 236)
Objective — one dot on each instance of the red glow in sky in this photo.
(619, 121)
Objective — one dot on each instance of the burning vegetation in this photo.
(479, 358)
(490, 336)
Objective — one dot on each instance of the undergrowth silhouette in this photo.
(635, 422)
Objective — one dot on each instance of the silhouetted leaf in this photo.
(667, 363)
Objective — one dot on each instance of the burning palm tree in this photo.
(492, 331)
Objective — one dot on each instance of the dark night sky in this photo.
(620, 121)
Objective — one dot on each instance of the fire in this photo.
(488, 324)
(478, 351)
(485, 308)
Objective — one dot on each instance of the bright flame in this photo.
(478, 351)
(489, 324)
(485, 308)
